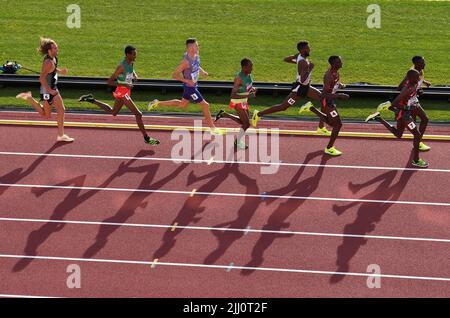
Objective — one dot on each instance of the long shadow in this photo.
(74, 199)
(131, 204)
(134, 201)
(18, 174)
(245, 214)
(192, 207)
(368, 215)
(277, 220)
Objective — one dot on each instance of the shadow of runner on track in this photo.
(74, 199)
(134, 201)
(245, 214)
(18, 174)
(368, 215)
(277, 220)
(192, 206)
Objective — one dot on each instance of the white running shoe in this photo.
(65, 138)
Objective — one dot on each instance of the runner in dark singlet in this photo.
(404, 104)
(49, 92)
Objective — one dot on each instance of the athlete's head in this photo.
(303, 48)
(130, 53)
(192, 45)
(48, 47)
(413, 76)
(335, 61)
(247, 65)
(419, 62)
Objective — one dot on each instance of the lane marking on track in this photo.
(207, 129)
(155, 261)
(25, 296)
(190, 265)
(192, 193)
(222, 229)
(230, 267)
(174, 227)
(175, 161)
(224, 194)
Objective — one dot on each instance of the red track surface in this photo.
(399, 257)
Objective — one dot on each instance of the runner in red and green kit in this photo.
(123, 78)
(242, 90)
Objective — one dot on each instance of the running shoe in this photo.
(373, 116)
(384, 106)
(64, 138)
(333, 151)
(24, 95)
(151, 141)
(87, 98)
(219, 115)
(255, 118)
(423, 147)
(152, 105)
(420, 163)
(323, 131)
(305, 107)
(217, 132)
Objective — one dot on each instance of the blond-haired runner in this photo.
(49, 92)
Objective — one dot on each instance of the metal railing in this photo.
(219, 87)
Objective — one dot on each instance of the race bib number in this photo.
(411, 125)
(129, 78)
(413, 101)
(195, 76)
(194, 96)
(291, 101)
(333, 113)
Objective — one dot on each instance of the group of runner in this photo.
(406, 105)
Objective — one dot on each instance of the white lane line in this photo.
(223, 194)
(25, 296)
(285, 164)
(221, 229)
(267, 269)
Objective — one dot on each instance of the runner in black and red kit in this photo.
(404, 105)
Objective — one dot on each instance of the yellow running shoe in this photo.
(305, 107)
(255, 118)
(384, 106)
(152, 105)
(333, 151)
(217, 132)
(423, 147)
(323, 131)
(373, 116)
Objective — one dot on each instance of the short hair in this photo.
(302, 44)
(411, 73)
(129, 49)
(416, 58)
(246, 62)
(332, 58)
(191, 41)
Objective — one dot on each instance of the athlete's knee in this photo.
(337, 125)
